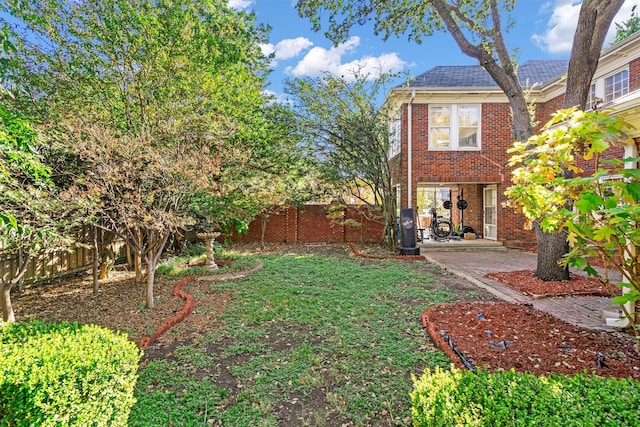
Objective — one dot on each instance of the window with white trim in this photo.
(454, 127)
(607, 89)
(394, 138)
(616, 85)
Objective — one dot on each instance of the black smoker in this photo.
(408, 233)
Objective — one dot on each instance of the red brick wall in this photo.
(544, 111)
(478, 168)
(473, 168)
(634, 75)
(461, 166)
(312, 224)
(291, 224)
(370, 230)
(315, 227)
(511, 226)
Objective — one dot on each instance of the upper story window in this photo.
(607, 89)
(616, 85)
(394, 137)
(454, 127)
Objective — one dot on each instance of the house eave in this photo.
(449, 94)
(628, 107)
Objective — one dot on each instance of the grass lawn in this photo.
(321, 340)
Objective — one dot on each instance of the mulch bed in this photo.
(526, 283)
(501, 336)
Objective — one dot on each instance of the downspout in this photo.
(409, 151)
(497, 164)
(630, 151)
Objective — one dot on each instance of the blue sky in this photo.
(543, 30)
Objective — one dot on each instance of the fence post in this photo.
(20, 260)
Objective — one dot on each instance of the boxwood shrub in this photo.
(462, 398)
(65, 374)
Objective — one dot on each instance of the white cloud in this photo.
(320, 60)
(562, 25)
(267, 49)
(290, 48)
(560, 29)
(286, 49)
(240, 4)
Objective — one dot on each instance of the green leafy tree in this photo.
(279, 172)
(628, 27)
(34, 218)
(144, 98)
(271, 171)
(479, 28)
(601, 211)
(349, 137)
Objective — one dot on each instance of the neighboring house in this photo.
(452, 128)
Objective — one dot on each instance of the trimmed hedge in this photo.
(65, 374)
(462, 398)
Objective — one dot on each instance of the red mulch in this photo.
(502, 335)
(526, 283)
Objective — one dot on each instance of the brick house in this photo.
(451, 129)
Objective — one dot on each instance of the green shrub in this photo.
(462, 398)
(65, 375)
(194, 250)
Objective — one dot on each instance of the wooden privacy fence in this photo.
(48, 266)
(45, 267)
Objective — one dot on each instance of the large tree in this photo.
(602, 218)
(477, 28)
(144, 99)
(34, 217)
(270, 171)
(349, 136)
(278, 173)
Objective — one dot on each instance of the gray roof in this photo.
(535, 71)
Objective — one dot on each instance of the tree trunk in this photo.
(156, 244)
(138, 266)
(138, 256)
(5, 289)
(594, 21)
(130, 261)
(551, 249)
(7, 308)
(391, 231)
(151, 273)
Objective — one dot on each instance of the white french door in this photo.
(490, 203)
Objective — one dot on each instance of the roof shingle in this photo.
(533, 71)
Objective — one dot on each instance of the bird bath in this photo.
(208, 239)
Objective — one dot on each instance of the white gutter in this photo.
(409, 151)
(630, 150)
